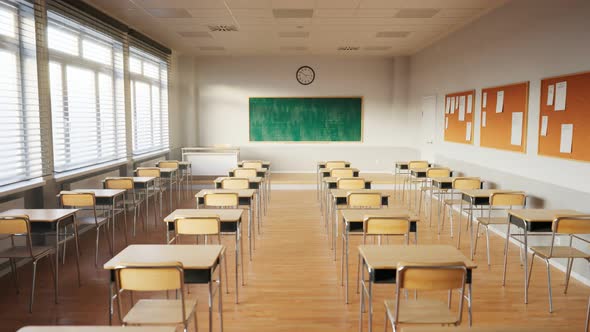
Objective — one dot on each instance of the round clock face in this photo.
(305, 75)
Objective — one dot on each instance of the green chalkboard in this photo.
(306, 119)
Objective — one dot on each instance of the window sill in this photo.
(21, 186)
(149, 155)
(81, 172)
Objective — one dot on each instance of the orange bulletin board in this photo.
(498, 130)
(577, 113)
(456, 127)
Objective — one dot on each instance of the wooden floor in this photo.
(293, 283)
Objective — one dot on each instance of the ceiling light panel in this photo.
(180, 3)
(169, 12)
(294, 34)
(392, 34)
(292, 13)
(294, 48)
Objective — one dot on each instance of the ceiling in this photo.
(288, 27)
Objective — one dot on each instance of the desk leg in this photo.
(470, 226)
(241, 258)
(147, 207)
(110, 303)
(370, 299)
(219, 298)
(236, 262)
(346, 266)
(250, 232)
(258, 199)
(506, 254)
(526, 268)
(469, 308)
(211, 303)
(362, 297)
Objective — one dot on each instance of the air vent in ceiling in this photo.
(349, 48)
(416, 13)
(195, 34)
(212, 48)
(294, 34)
(294, 48)
(222, 28)
(392, 34)
(377, 48)
(292, 13)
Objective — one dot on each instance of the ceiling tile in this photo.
(249, 4)
(323, 12)
(179, 3)
(301, 4)
(169, 12)
(337, 3)
(458, 13)
(209, 12)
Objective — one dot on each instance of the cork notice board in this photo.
(458, 125)
(576, 113)
(505, 130)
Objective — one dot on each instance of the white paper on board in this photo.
(484, 119)
(516, 132)
(448, 105)
(484, 100)
(456, 102)
(462, 108)
(453, 105)
(567, 133)
(550, 94)
(446, 123)
(468, 132)
(560, 96)
(469, 103)
(544, 122)
(499, 101)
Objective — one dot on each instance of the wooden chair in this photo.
(364, 200)
(350, 183)
(245, 172)
(235, 183)
(158, 188)
(155, 277)
(335, 164)
(503, 201)
(252, 164)
(426, 277)
(433, 172)
(412, 165)
(460, 183)
(130, 201)
(572, 227)
(341, 172)
(20, 226)
(87, 201)
(179, 177)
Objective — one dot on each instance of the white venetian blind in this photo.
(149, 101)
(87, 94)
(20, 137)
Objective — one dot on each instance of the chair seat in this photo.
(23, 252)
(559, 252)
(455, 201)
(422, 311)
(159, 312)
(90, 220)
(492, 221)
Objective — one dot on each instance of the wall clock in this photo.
(305, 75)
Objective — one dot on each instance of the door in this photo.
(428, 125)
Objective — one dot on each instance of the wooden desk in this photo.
(324, 173)
(255, 183)
(353, 224)
(328, 183)
(261, 173)
(320, 165)
(538, 221)
(50, 221)
(400, 168)
(73, 328)
(380, 262)
(199, 263)
(245, 197)
(265, 164)
(168, 174)
(231, 222)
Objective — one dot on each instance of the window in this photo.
(87, 95)
(20, 132)
(149, 101)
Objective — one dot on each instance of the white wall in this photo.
(525, 40)
(225, 84)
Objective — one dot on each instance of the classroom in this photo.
(290, 165)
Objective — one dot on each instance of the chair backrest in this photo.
(350, 183)
(363, 200)
(438, 172)
(168, 163)
(119, 183)
(148, 172)
(335, 164)
(378, 225)
(579, 224)
(235, 183)
(508, 198)
(466, 183)
(210, 225)
(342, 172)
(17, 225)
(427, 277)
(77, 199)
(416, 164)
(252, 164)
(222, 200)
(245, 172)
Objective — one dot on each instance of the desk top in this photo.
(73, 328)
(323, 170)
(359, 215)
(481, 192)
(445, 179)
(331, 179)
(223, 214)
(258, 170)
(240, 192)
(504, 328)
(102, 193)
(41, 215)
(263, 162)
(256, 179)
(388, 256)
(167, 169)
(320, 163)
(194, 257)
(136, 179)
(338, 193)
(541, 215)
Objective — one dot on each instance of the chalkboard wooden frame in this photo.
(362, 113)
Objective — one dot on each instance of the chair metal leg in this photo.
(549, 285)
(96, 247)
(531, 270)
(488, 245)
(53, 276)
(14, 274)
(570, 264)
(33, 286)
